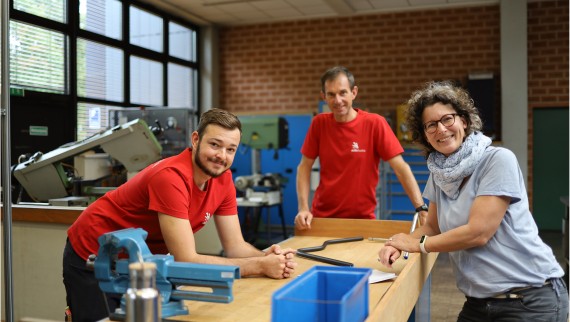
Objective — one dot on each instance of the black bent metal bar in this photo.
(303, 252)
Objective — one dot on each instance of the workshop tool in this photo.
(414, 223)
(142, 300)
(112, 271)
(303, 252)
(378, 239)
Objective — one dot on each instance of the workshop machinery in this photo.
(259, 133)
(262, 190)
(177, 124)
(44, 175)
(204, 282)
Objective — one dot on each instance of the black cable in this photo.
(302, 252)
(328, 242)
(323, 259)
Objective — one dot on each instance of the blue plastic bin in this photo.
(323, 293)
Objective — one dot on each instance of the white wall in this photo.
(209, 68)
(37, 256)
(514, 80)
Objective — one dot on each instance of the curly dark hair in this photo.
(444, 92)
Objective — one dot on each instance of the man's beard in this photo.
(203, 167)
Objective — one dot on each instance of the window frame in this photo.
(72, 31)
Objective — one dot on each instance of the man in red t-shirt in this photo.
(349, 143)
(171, 199)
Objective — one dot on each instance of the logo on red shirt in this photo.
(206, 218)
(355, 148)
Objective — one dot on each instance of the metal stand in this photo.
(256, 208)
(260, 192)
(5, 154)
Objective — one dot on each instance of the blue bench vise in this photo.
(112, 272)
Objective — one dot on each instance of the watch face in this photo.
(422, 239)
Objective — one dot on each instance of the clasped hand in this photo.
(280, 262)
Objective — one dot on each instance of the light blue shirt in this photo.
(515, 256)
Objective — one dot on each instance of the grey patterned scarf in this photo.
(449, 172)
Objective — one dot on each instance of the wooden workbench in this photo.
(43, 213)
(389, 301)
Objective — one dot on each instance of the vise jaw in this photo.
(112, 272)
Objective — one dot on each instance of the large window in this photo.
(182, 42)
(114, 54)
(104, 17)
(146, 78)
(146, 29)
(37, 58)
(49, 9)
(99, 71)
(181, 85)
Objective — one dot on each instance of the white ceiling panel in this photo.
(361, 5)
(239, 12)
(269, 5)
(316, 10)
(426, 2)
(284, 13)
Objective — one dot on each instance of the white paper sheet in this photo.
(379, 276)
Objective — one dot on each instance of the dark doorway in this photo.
(550, 166)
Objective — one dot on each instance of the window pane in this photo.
(99, 71)
(146, 29)
(104, 17)
(37, 59)
(91, 119)
(181, 42)
(50, 9)
(146, 82)
(181, 86)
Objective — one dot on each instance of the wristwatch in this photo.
(423, 207)
(423, 244)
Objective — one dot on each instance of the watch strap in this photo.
(423, 244)
(423, 207)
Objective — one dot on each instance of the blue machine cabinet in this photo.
(284, 162)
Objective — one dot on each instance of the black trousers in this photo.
(84, 297)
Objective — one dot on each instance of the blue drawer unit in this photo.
(393, 202)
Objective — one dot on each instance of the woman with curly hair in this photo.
(479, 213)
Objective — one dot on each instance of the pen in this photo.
(378, 239)
(414, 223)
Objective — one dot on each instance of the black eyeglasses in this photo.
(447, 120)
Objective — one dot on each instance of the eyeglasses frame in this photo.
(439, 121)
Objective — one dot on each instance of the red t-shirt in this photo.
(166, 186)
(349, 155)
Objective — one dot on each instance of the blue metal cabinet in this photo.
(285, 164)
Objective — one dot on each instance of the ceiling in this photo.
(241, 12)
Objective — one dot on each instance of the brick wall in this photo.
(548, 53)
(275, 68)
(547, 63)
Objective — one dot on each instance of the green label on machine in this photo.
(17, 92)
(38, 130)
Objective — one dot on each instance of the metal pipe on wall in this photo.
(5, 156)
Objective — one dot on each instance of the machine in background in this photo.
(262, 190)
(177, 124)
(258, 133)
(44, 176)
